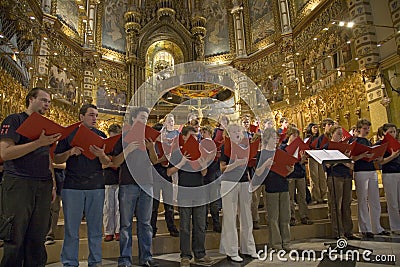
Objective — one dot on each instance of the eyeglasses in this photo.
(45, 100)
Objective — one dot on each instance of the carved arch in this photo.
(166, 30)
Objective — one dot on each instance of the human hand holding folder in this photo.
(33, 126)
(87, 139)
(296, 145)
(343, 146)
(283, 163)
(371, 153)
(393, 144)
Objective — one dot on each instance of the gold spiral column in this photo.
(136, 66)
(394, 8)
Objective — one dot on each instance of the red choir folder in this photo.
(253, 128)
(191, 147)
(32, 127)
(207, 146)
(297, 143)
(84, 138)
(231, 149)
(393, 144)
(378, 151)
(219, 138)
(282, 137)
(346, 135)
(282, 160)
(341, 146)
(324, 141)
(139, 132)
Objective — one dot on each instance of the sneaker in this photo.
(292, 222)
(108, 238)
(256, 226)
(151, 263)
(206, 260)
(235, 259)
(174, 233)
(116, 237)
(185, 262)
(306, 221)
(49, 241)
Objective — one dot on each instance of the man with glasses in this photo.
(28, 187)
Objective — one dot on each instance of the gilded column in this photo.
(394, 7)
(89, 91)
(42, 71)
(365, 42)
(237, 12)
(285, 17)
(136, 65)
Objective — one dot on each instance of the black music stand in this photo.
(332, 158)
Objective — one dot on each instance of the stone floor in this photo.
(374, 251)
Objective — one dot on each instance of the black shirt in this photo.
(81, 172)
(274, 183)
(338, 170)
(362, 165)
(188, 176)
(136, 168)
(34, 165)
(392, 166)
(238, 174)
(111, 176)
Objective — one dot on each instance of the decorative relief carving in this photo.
(343, 101)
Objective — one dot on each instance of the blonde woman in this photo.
(234, 191)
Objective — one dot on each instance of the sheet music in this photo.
(328, 156)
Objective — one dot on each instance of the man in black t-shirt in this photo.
(27, 187)
(83, 191)
(191, 208)
(135, 192)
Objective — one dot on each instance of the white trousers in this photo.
(369, 206)
(111, 220)
(391, 184)
(236, 195)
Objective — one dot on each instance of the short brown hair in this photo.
(386, 126)
(327, 121)
(114, 128)
(362, 122)
(186, 129)
(292, 130)
(33, 93)
(332, 130)
(85, 107)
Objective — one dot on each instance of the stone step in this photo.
(354, 195)
(163, 243)
(316, 212)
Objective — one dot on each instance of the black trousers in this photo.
(29, 201)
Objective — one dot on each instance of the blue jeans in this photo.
(198, 217)
(134, 200)
(75, 202)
